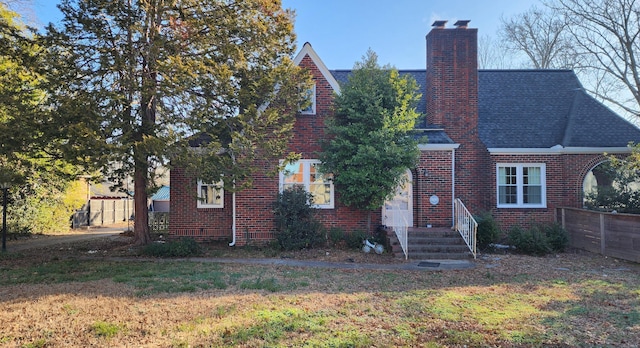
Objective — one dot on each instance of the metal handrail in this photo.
(400, 226)
(466, 225)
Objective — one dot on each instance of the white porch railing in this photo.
(397, 219)
(465, 224)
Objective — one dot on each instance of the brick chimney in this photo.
(452, 78)
(452, 103)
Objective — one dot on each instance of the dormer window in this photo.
(310, 99)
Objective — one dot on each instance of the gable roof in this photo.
(307, 50)
(543, 109)
(533, 109)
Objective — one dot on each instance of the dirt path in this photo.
(48, 240)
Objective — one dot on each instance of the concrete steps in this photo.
(438, 243)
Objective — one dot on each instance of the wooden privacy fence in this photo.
(106, 212)
(610, 234)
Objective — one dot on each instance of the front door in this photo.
(399, 210)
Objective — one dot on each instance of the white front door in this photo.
(399, 210)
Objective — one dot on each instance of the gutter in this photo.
(453, 188)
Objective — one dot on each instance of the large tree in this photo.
(599, 39)
(608, 34)
(38, 181)
(132, 80)
(369, 146)
(541, 36)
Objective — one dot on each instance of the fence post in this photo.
(602, 234)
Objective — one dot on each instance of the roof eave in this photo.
(558, 150)
(308, 50)
(438, 147)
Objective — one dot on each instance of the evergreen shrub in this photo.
(296, 224)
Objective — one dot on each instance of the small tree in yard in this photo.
(369, 148)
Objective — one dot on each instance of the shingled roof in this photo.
(534, 109)
(545, 108)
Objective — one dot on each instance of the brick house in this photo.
(517, 143)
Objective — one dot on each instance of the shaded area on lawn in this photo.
(75, 296)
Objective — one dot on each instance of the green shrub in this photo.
(539, 239)
(336, 234)
(557, 237)
(178, 248)
(488, 231)
(355, 238)
(296, 224)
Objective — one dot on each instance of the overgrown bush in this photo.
(557, 237)
(488, 231)
(43, 204)
(355, 238)
(335, 235)
(539, 239)
(296, 224)
(176, 248)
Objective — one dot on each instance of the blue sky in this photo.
(341, 31)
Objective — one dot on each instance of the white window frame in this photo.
(306, 177)
(520, 185)
(311, 109)
(203, 204)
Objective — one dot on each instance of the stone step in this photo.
(455, 240)
(438, 256)
(437, 243)
(437, 248)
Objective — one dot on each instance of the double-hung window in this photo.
(306, 173)
(210, 195)
(521, 185)
(310, 99)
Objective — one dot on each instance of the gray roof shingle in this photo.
(534, 109)
(544, 108)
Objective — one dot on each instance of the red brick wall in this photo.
(436, 182)
(187, 220)
(308, 131)
(565, 176)
(254, 206)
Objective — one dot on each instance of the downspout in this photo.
(453, 188)
(233, 218)
(233, 207)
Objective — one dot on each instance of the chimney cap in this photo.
(439, 24)
(462, 24)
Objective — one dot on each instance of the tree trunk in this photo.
(369, 223)
(141, 228)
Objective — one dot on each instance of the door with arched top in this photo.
(398, 211)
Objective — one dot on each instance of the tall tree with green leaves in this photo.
(133, 80)
(19, 92)
(38, 179)
(369, 146)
